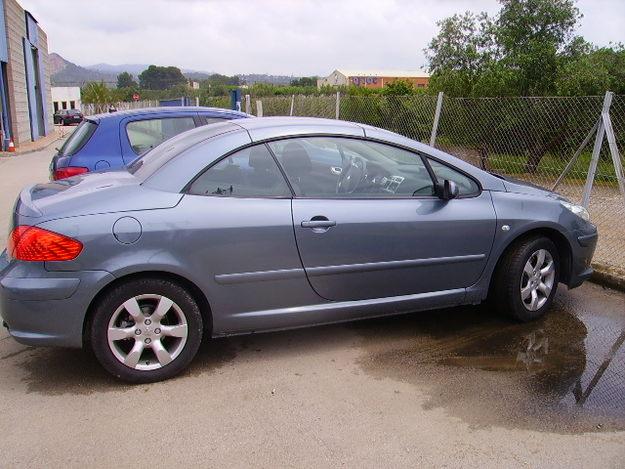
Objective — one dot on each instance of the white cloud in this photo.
(299, 37)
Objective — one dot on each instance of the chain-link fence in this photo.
(529, 138)
(534, 139)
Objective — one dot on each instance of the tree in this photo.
(97, 93)
(304, 81)
(398, 88)
(516, 52)
(460, 52)
(527, 49)
(161, 78)
(593, 72)
(531, 34)
(126, 80)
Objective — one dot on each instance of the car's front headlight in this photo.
(577, 210)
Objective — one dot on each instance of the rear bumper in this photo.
(46, 308)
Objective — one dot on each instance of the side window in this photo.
(251, 172)
(351, 168)
(210, 120)
(146, 134)
(466, 185)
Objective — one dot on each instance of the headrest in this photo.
(260, 158)
(295, 159)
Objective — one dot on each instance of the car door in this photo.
(239, 228)
(368, 224)
(139, 134)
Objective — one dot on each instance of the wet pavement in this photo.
(565, 373)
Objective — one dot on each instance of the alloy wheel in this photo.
(147, 332)
(537, 279)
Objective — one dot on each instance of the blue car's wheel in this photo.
(146, 330)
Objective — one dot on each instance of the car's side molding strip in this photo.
(284, 274)
(259, 276)
(387, 265)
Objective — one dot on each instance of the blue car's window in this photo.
(251, 172)
(351, 168)
(78, 139)
(146, 134)
(466, 185)
(211, 120)
(148, 163)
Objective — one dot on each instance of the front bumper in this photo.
(582, 251)
(46, 308)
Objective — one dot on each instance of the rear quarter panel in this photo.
(102, 151)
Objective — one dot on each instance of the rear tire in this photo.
(146, 330)
(526, 279)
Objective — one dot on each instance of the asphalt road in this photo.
(449, 388)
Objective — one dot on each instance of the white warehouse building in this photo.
(66, 97)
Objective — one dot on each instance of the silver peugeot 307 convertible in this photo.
(275, 223)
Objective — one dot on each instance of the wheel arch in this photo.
(196, 292)
(562, 243)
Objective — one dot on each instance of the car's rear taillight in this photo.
(30, 243)
(68, 171)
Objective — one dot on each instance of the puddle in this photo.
(565, 373)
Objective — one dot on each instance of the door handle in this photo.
(318, 224)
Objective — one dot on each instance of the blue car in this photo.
(112, 141)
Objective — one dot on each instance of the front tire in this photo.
(527, 278)
(146, 330)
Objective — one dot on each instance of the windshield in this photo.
(78, 139)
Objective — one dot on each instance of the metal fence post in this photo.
(337, 109)
(259, 108)
(248, 104)
(594, 161)
(437, 116)
(577, 154)
(616, 157)
(292, 105)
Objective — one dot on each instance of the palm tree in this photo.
(97, 94)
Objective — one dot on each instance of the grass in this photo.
(552, 166)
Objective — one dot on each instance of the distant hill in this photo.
(65, 73)
(134, 69)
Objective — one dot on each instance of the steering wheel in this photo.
(352, 176)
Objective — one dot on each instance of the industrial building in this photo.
(25, 95)
(373, 78)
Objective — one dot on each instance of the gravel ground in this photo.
(455, 388)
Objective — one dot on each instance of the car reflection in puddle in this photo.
(564, 373)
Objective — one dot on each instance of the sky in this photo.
(285, 37)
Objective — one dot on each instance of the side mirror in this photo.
(447, 190)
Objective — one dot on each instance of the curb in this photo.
(610, 277)
(5, 154)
